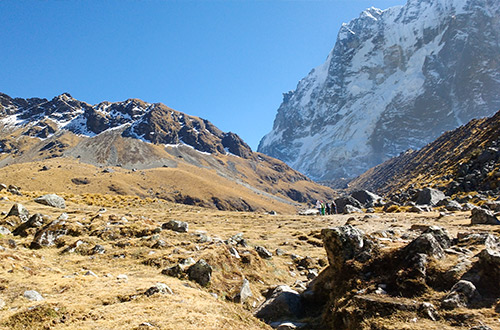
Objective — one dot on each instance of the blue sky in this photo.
(227, 61)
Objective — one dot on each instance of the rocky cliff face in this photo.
(154, 123)
(396, 79)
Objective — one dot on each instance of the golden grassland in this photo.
(127, 229)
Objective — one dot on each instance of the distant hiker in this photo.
(334, 208)
(322, 208)
(328, 210)
(318, 206)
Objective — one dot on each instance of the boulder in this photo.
(344, 243)
(176, 225)
(366, 198)
(20, 211)
(481, 216)
(35, 221)
(424, 244)
(346, 200)
(52, 200)
(283, 303)
(429, 196)
(200, 272)
(348, 209)
(263, 252)
(47, 235)
(460, 295)
(33, 295)
(441, 236)
(158, 288)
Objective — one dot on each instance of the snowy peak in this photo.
(395, 79)
(152, 123)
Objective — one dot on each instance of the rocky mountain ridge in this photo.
(395, 80)
(193, 161)
(155, 123)
(463, 160)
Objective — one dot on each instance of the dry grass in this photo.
(74, 300)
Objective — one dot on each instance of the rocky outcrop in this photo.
(363, 282)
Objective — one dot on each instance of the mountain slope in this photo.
(199, 163)
(395, 79)
(465, 159)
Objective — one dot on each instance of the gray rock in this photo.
(460, 295)
(158, 288)
(4, 231)
(283, 303)
(366, 198)
(237, 240)
(481, 327)
(424, 244)
(453, 206)
(441, 235)
(348, 209)
(428, 311)
(176, 225)
(481, 216)
(35, 221)
(200, 272)
(429, 196)
(47, 235)
(344, 243)
(90, 273)
(52, 200)
(234, 252)
(98, 249)
(245, 292)
(342, 202)
(263, 252)
(20, 211)
(33, 295)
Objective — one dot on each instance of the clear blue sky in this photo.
(225, 61)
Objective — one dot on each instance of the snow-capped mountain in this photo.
(192, 161)
(396, 79)
(154, 123)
